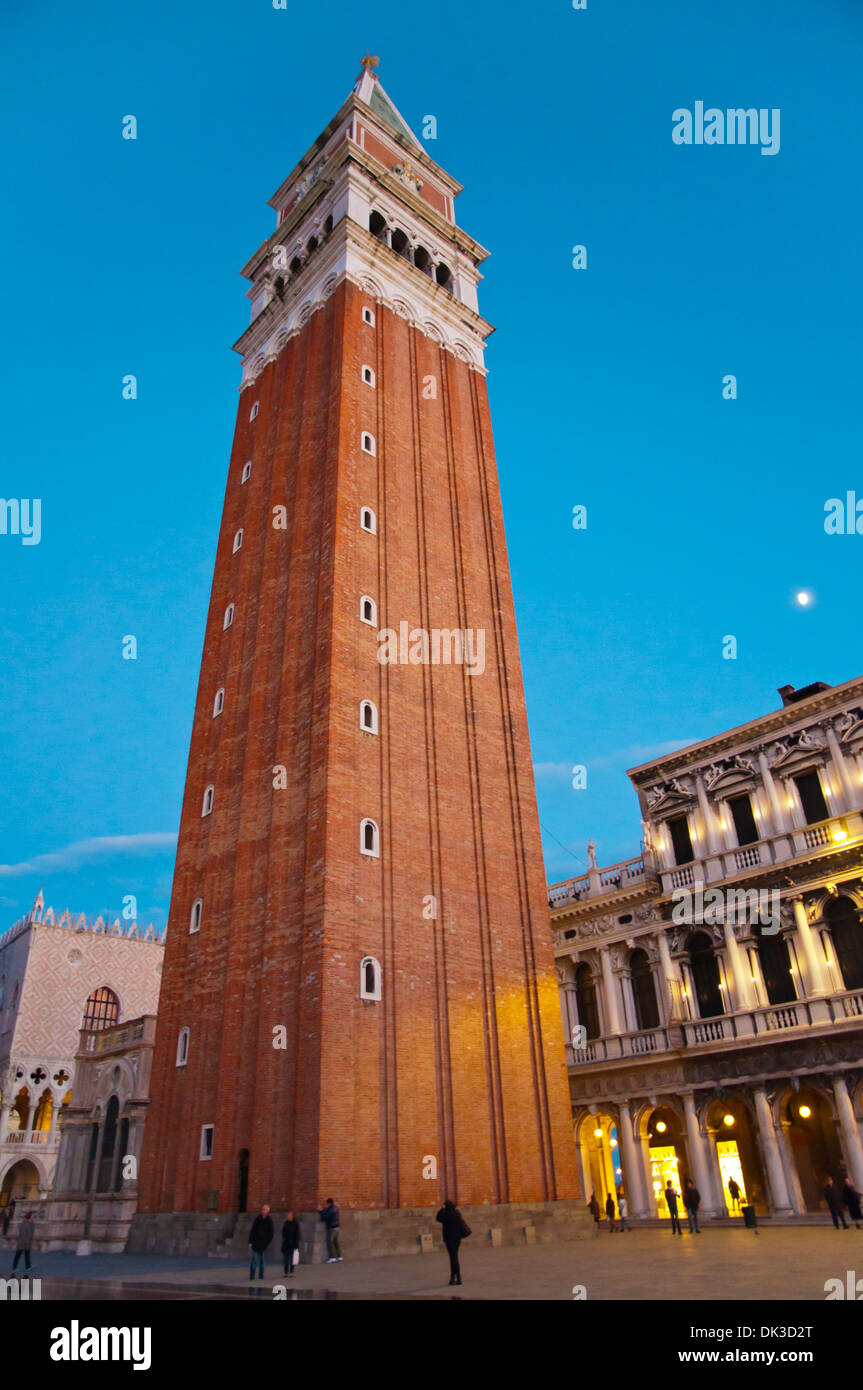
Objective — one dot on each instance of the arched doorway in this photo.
(600, 1152)
(705, 975)
(810, 1128)
(731, 1131)
(668, 1161)
(21, 1183)
(843, 919)
(243, 1193)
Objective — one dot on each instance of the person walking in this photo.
(260, 1238)
(593, 1208)
(671, 1199)
(734, 1193)
(24, 1243)
(8, 1213)
(290, 1241)
(610, 1211)
(833, 1198)
(851, 1200)
(329, 1214)
(455, 1228)
(692, 1201)
(623, 1212)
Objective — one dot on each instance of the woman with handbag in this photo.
(455, 1228)
(291, 1242)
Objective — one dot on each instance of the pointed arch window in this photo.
(370, 978)
(101, 1010)
(370, 839)
(368, 716)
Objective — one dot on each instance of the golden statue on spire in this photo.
(370, 61)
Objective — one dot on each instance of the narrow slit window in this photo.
(368, 317)
(370, 978)
(368, 376)
(229, 616)
(207, 806)
(238, 540)
(368, 611)
(368, 443)
(206, 1141)
(253, 412)
(369, 839)
(368, 521)
(183, 1047)
(195, 915)
(247, 472)
(368, 716)
(219, 702)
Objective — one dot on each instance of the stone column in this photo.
(792, 1177)
(669, 973)
(629, 1003)
(739, 969)
(5, 1111)
(849, 798)
(583, 1165)
(707, 816)
(609, 984)
(770, 1149)
(643, 1141)
(701, 1175)
(812, 953)
(633, 1176)
(851, 1141)
(777, 810)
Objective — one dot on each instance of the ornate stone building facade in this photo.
(96, 1182)
(57, 974)
(712, 988)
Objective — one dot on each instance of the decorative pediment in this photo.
(730, 775)
(668, 797)
(849, 727)
(793, 754)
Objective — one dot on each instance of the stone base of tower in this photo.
(362, 1234)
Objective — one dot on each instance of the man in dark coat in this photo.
(260, 1237)
(24, 1243)
(851, 1199)
(833, 1198)
(671, 1199)
(290, 1241)
(329, 1214)
(692, 1201)
(452, 1222)
(611, 1212)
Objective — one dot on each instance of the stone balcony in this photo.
(24, 1139)
(598, 883)
(839, 832)
(835, 1012)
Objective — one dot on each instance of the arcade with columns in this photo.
(712, 988)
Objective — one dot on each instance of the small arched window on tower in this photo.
(368, 376)
(229, 616)
(368, 611)
(369, 716)
(370, 978)
(219, 702)
(368, 521)
(183, 1047)
(312, 245)
(443, 275)
(368, 443)
(369, 317)
(254, 411)
(247, 472)
(238, 540)
(370, 839)
(328, 225)
(296, 265)
(195, 915)
(207, 806)
(378, 227)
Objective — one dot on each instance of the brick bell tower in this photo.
(359, 996)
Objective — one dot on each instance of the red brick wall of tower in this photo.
(462, 1058)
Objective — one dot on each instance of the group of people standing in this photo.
(262, 1232)
(838, 1199)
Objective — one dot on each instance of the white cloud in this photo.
(88, 851)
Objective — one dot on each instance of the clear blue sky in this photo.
(704, 515)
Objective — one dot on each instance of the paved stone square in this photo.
(784, 1263)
